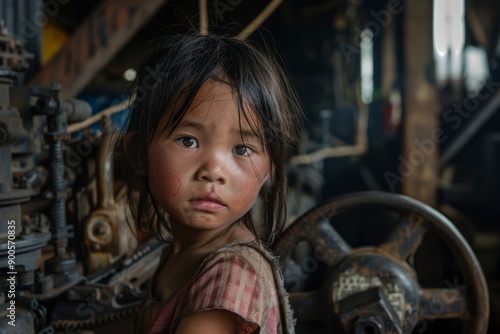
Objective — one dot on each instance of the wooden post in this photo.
(94, 44)
(421, 133)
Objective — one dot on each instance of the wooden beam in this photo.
(95, 43)
(421, 133)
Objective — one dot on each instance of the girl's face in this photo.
(208, 173)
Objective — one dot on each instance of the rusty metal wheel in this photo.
(376, 289)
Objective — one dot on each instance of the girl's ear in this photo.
(132, 153)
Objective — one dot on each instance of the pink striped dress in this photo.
(241, 278)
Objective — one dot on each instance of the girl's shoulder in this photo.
(254, 254)
(250, 271)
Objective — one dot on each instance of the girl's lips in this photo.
(210, 202)
(207, 205)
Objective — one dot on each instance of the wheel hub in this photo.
(373, 293)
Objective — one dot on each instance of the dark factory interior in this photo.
(393, 214)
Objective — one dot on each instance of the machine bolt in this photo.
(368, 325)
(100, 229)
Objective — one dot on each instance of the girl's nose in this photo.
(212, 167)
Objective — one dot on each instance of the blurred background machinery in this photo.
(401, 97)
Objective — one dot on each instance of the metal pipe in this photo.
(471, 129)
(203, 17)
(257, 22)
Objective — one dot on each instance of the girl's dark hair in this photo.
(168, 81)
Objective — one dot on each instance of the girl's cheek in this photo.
(177, 186)
(251, 187)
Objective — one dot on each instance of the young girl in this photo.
(214, 122)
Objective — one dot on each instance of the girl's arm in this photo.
(209, 322)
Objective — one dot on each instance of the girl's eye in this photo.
(188, 142)
(242, 150)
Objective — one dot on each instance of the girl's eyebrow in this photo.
(190, 124)
(245, 133)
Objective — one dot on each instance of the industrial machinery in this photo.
(69, 265)
(64, 251)
(376, 289)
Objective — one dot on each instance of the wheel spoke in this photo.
(307, 306)
(329, 246)
(442, 303)
(405, 238)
